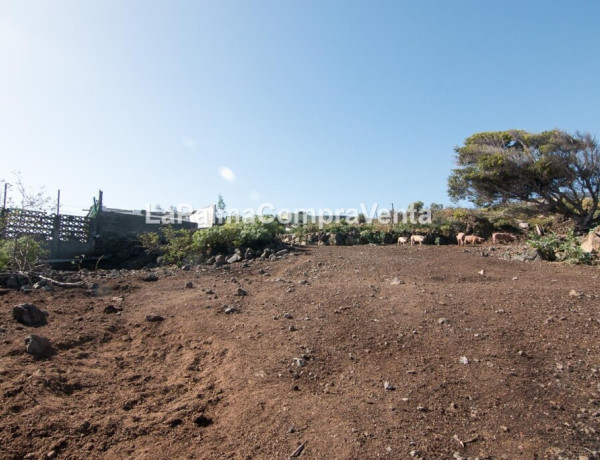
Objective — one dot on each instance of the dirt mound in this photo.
(352, 352)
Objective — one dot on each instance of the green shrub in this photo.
(257, 235)
(551, 247)
(21, 253)
(223, 239)
(4, 256)
(174, 246)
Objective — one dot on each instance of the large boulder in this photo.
(29, 315)
(592, 241)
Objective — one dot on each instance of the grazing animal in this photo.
(502, 238)
(473, 239)
(417, 239)
(402, 240)
(460, 238)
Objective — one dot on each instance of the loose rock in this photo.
(234, 258)
(29, 315)
(37, 345)
(154, 318)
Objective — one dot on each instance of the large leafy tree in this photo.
(558, 171)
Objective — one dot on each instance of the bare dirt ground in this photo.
(504, 364)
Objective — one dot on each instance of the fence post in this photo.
(55, 243)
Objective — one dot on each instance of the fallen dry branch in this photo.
(61, 283)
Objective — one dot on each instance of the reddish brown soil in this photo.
(205, 384)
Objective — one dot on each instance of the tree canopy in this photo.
(558, 171)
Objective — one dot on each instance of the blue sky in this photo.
(302, 104)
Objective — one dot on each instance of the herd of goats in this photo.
(461, 238)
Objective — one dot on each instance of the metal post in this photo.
(58, 204)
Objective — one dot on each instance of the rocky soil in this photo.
(331, 352)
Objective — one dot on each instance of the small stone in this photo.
(29, 315)
(300, 362)
(574, 293)
(443, 321)
(150, 277)
(234, 258)
(396, 282)
(154, 318)
(388, 386)
(203, 421)
(189, 285)
(421, 408)
(37, 345)
(293, 328)
(186, 268)
(481, 272)
(241, 292)
(111, 309)
(287, 315)
(174, 422)
(463, 360)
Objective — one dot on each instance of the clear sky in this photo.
(303, 104)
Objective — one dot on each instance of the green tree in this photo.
(417, 206)
(557, 171)
(221, 208)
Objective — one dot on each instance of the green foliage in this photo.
(372, 236)
(4, 256)
(179, 244)
(174, 246)
(151, 242)
(417, 206)
(221, 203)
(553, 170)
(567, 249)
(21, 253)
(257, 235)
(220, 239)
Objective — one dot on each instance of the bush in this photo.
(551, 247)
(4, 256)
(174, 246)
(21, 253)
(223, 239)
